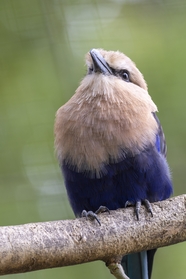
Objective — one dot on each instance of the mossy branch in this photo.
(38, 246)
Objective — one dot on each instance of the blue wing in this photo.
(160, 138)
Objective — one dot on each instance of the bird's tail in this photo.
(139, 265)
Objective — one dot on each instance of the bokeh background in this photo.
(42, 48)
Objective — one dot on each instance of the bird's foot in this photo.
(94, 215)
(146, 203)
(148, 206)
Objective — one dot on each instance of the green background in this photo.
(42, 48)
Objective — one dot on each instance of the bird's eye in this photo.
(125, 75)
(90, 70)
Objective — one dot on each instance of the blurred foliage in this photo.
(42, 47)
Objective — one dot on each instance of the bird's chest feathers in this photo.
(99, 127)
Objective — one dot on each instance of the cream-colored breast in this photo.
(104, 117)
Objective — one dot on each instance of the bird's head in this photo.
(114, 63)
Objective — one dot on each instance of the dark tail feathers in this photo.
(139, 265)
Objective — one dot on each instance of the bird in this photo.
(111, 147)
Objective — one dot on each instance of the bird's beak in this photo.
(99, 63)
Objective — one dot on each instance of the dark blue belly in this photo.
(144, 176)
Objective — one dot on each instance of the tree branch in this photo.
(60, 243)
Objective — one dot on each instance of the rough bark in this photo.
(60, 243)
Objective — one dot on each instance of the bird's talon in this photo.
(148, 206)
(128, 204)
(91, 215)
(84, 213)
(96, 218)
(146, 203)
(138, 206)
(102, 209)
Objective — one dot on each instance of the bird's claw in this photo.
(146, 203)
(148, 206)
(137, 209)
(102, 209)
(93, 215)
(128, 203)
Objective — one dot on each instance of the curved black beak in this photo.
(99, 63)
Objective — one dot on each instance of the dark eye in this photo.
(124, 74)
(90, 70)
